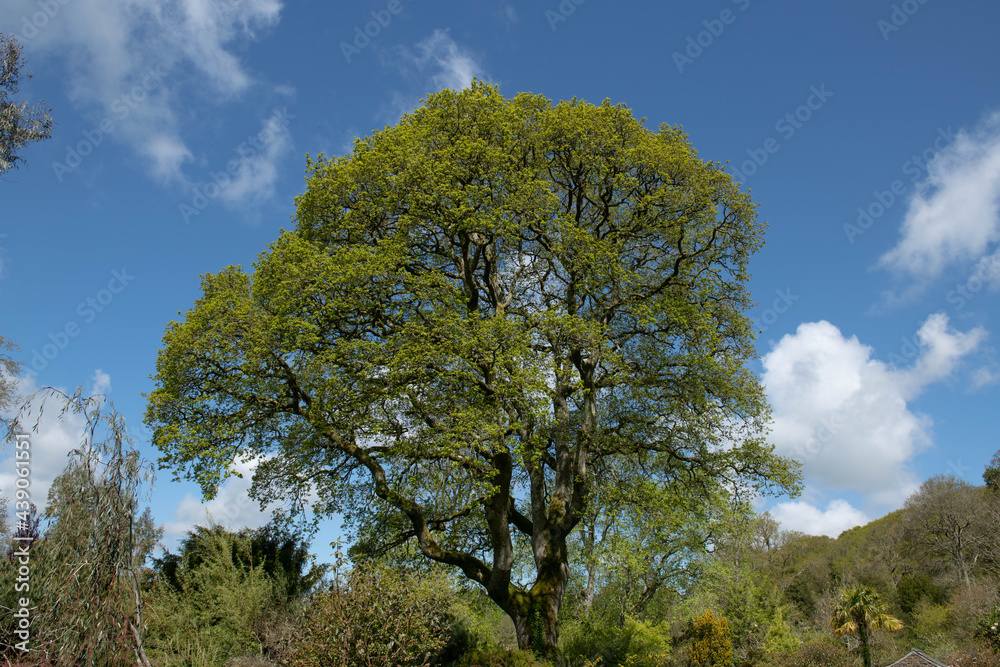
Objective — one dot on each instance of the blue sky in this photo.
(868, 131)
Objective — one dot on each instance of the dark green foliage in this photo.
(992, 473)
(800, 594)
(988, 629)
(282, 556)
(913, 588)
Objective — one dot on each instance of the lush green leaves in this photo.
(479, 309)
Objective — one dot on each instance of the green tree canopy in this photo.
(992, 473)
(478, 308)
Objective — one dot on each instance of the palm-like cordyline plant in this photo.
(860, 610)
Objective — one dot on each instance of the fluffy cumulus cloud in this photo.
(845, 415)
(954, 215)
(130, 61)
(838, 516)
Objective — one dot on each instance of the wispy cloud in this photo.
(258, 171)
(100, 383)
(111, 46)
(441, 62)
(954, 215)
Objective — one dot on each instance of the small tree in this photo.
(87, 596)
(20, 124)
(713, 643)
(9, 370)
(992, 473)
(860, 611)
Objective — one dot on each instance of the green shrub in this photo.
(779, 638)
(634, 643)
(500, 657)
(213, 611)
(812, 654)
(712, 641)
(376, 616)
(988, 628)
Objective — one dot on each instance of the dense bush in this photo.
(634, 642)
(375, 616)
(813, 654)
(213, 606)
(712, 641)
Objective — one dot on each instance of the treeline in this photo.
(695, 581)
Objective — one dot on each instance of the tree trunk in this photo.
(536, 624)
(866, 649)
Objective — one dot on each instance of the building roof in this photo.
(916, 658)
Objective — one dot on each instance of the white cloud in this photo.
(954, 215)
(845, 415)
(984, 377)
(838, 516)
(257, 173)
(101, 382)
(510, 13)
(49, 447)
(987, 272)
(443, 62)
(128, 60)
(231, 508)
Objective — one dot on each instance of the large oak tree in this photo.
(479, 307)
